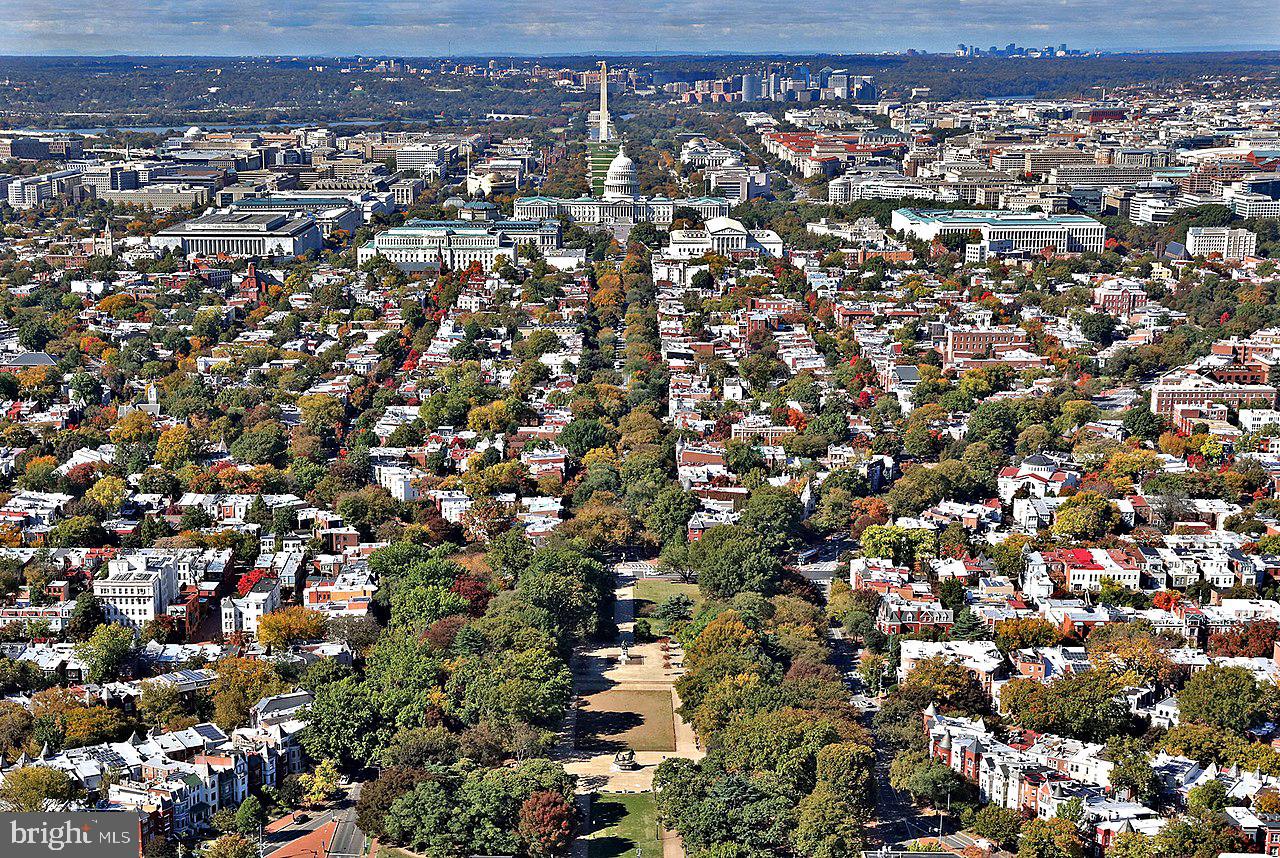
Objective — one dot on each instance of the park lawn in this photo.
(623, 822)
(652, 592)
(615, 720)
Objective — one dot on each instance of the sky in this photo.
(531, 27)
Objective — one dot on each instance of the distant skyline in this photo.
(531, 27)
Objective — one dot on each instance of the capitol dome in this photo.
(620, 182)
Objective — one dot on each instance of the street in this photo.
(897, 817)
(332, 833)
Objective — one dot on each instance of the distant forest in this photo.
(91, 91)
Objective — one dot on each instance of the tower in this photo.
(602, 145)
(604, 102)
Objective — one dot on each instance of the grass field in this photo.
(621, 823)
(651, 592)
(611, 721)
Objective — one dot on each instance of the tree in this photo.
(175, 447)
(77, 531)
(291, 625)
(1130, 844)
(346, 724)
(322, 783)
(1050, 838)
(730, 559)
(773, 512)
(377, 796)
(250, 816)
(928, 781)
(847, 770)
(547, 824)
(421, 817)
(904, 546)
(160, 705)
(584, 435)
(968, 627)
(1208, 797)
(241, 683)
(1204, 835)
(1253, 640)
(232, 846)
(1140, 421)
(997, 824)
(33, 789)
(1098, 327)
(86, 616)
(1131, 770)
(1080, 705)
(320, 412)
(108, 493)
(1131, 647)
(951, 593)
(1023, 632)
(1087, 515)
(106, 651)
(601, 523)
(1226, 698)
(1266, 802)
(825, 828)
(667, 516)
(676, 608)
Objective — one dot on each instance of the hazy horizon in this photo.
(537, 27)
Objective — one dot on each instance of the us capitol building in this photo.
(621, 206)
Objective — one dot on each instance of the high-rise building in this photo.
(1224, 241)
(752, 88)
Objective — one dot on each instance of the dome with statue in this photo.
(620, 182)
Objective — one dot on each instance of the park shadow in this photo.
(611, 847)
(605, 813)
(600, 731)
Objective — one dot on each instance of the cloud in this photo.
(485, 27)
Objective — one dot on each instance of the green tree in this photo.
(730, 559)
(997, 824)
(904, 546)
(1226, 698)
(1131, 770)
(346, 724)
(774, 512)
(584, 435)
(86, 616)
(106, 651)
(250, 816)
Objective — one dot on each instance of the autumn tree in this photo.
(241, 683)
(287, 626)
(32, 789)
(547, 824)
(1023, 632)
(1050, 838)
